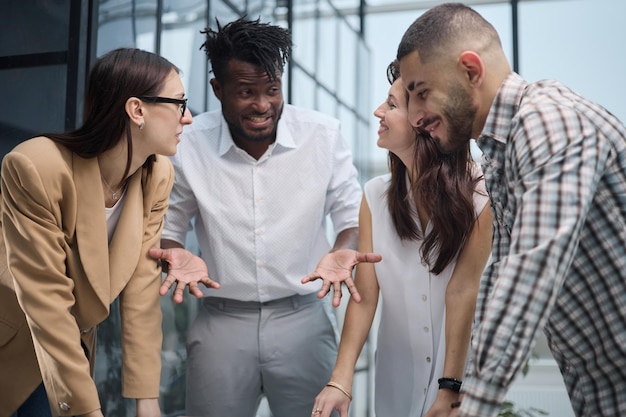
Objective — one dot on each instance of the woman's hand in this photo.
(184, 269)
(148, 407)
(330, 399)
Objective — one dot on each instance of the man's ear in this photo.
(217, 88)
(134, 109)
(473, 67)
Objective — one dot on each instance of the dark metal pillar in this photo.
(515, 30)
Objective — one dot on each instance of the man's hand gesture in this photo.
(185, 269)
(336, 267)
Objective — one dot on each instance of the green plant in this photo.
(508, 408)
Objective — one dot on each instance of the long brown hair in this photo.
(114, 78)
(444, 187)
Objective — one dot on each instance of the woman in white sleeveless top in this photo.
(430, 221)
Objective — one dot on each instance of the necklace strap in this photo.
(114, 194)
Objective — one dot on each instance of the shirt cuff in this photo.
(481, 398)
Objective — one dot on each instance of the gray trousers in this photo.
(239, 351)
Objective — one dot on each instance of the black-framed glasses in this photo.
(182, 102)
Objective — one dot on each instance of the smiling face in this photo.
(252, 103)
(164, 121)
(439, 104)
(395, 133)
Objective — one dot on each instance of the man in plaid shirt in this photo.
(555, 168)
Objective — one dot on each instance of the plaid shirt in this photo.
(555, 168)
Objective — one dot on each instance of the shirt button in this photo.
(260, 263)
(64, 406)
(428, 359)
(426, 329)
(424, 298)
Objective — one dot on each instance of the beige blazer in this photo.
(19, 375)
(66, 274)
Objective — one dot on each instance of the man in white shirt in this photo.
(258, 178)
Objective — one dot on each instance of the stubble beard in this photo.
(459, 112)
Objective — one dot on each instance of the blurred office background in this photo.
(341, 50)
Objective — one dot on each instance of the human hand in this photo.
(440, 409)
(330, 399)
(455, 407)
(445, 404)
(336, 267)
(148, 407)
(184, 269)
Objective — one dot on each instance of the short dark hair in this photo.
(443, 25)
(261, 44)
(115, 77)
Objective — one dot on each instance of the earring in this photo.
(141, 125)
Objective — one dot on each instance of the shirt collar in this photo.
(505, 106)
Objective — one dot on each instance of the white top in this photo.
(411, 335)
(261, 225)
(113, 214)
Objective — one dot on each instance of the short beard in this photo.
(237, 132)
(460, 113)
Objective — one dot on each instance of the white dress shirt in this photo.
(262, 224)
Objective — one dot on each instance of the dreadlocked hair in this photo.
(261, 44)
(444, 186)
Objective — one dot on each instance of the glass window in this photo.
(40, 93)
(578, 43)
(327, 52)
(304, 33)
(348, 125)
(303, 90)
(347, 63)
(124, 23)
(180, 43)
(47, 29)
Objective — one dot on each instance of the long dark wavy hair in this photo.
(114, 78)
(444, 187)
(261, 44)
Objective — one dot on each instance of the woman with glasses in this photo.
(81, 212)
